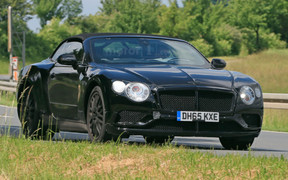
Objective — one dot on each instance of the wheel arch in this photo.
(33, 77)
(96, 81)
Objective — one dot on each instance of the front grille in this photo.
(196, 101)
(215, 101)
(172, 101)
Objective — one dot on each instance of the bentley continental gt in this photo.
(112, 85)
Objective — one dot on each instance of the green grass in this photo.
(8, 99)
(275, 120)
(25, 159)
(4, 66)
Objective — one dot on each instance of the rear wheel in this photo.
(29, 115)
(96, 120)
(236, 143)
(158, 139)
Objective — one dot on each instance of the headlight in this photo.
(118, 86)
(247, 95)
(137, 91)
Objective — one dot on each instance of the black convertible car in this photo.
(133, 84)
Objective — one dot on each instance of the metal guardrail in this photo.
(275, 101)
(271, 100)
(8, 86)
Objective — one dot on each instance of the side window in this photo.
(59, 52)
(74, 47)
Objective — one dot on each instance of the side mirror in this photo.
(218, 63)
(67, 59)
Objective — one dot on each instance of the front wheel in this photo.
(29, 115)
(236, 143)
(96, 118)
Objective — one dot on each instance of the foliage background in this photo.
(216, 27)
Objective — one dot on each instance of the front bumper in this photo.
(158, 116)
(245, 123)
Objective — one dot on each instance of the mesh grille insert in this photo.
(131, 116)
(186, 101)
(183, 100)
(215, 101)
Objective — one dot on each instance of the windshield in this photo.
(145, 51)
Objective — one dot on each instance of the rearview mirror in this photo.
(218, 63)
(67, 59)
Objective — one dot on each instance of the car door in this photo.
(64, 83)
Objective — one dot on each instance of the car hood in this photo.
(171, 75)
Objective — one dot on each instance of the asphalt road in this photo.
(267, 144)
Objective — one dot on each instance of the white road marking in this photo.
(275, 132)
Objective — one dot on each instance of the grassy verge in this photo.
(22, 159)
(275, 120)
(4, 66)
(8, 99)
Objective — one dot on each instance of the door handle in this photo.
(52, 75)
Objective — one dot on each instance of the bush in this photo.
(227, 40)
(248, 44)
(55, 32)
(205, 48)
(267, 40)
(272, 41)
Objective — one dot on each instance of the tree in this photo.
(277, 17)
(201, 22)
(98, 22)
(168, 19)
(55, 32)
(131, 16)
(109, 6)
(21, 13)
(249, 14)
(61, 9)
(199, 17)
(22, 9)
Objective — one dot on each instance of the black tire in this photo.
(236, 143)
(96, 120)
(29, 115)
(158, 139)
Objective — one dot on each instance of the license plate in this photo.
(197, 116)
